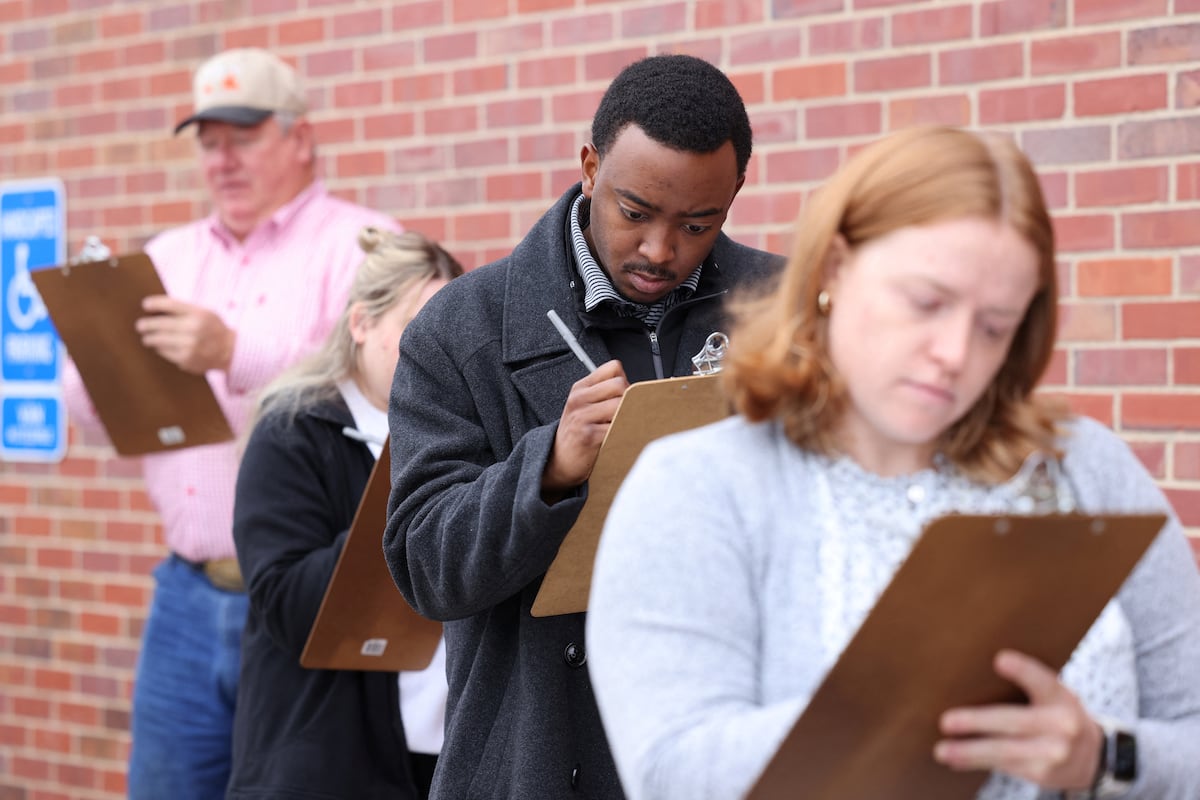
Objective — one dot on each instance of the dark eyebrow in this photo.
(633, 198)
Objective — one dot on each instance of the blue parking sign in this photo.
(32, 235)
(31, 424)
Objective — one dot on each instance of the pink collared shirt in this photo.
(282, 289)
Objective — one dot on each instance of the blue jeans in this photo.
(185, 688)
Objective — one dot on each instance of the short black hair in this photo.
(680, 101)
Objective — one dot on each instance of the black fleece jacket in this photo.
(301, 734)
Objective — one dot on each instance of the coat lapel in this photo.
(539, 278)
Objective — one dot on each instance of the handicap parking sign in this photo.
(32, 235)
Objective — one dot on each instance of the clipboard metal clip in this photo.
(93, 250)
(708, 360)
(1043, 486)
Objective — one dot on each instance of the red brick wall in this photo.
(464, 119)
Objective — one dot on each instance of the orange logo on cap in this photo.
(229, 82)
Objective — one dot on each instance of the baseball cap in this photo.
(243, 87)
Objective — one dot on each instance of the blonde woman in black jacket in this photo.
(301, 733)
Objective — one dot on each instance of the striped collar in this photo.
(598, 288)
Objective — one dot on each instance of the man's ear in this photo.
(589, 162)
(303, 131)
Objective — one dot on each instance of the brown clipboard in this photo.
(648, 410)
(971, 586)
(364, 623)
(146, 403)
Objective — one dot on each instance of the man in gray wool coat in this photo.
(495, 424)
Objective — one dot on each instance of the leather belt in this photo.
(222, 573)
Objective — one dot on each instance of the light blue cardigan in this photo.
(703, 627)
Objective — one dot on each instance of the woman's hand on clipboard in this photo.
(1052, 741)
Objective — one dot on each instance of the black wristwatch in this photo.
(1118, 764)
(1119, 761)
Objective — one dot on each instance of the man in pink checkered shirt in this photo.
(250, 289)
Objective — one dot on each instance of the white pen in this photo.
(357, 435)
(570, 339)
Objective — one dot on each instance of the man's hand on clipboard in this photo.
(189, 336)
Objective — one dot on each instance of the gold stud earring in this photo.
(824, 302)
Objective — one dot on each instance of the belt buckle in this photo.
(224, 574)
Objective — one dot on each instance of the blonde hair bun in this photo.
(371, 238)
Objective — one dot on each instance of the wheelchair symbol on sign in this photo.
(24, 304)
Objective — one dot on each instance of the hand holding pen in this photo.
(588, 412)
